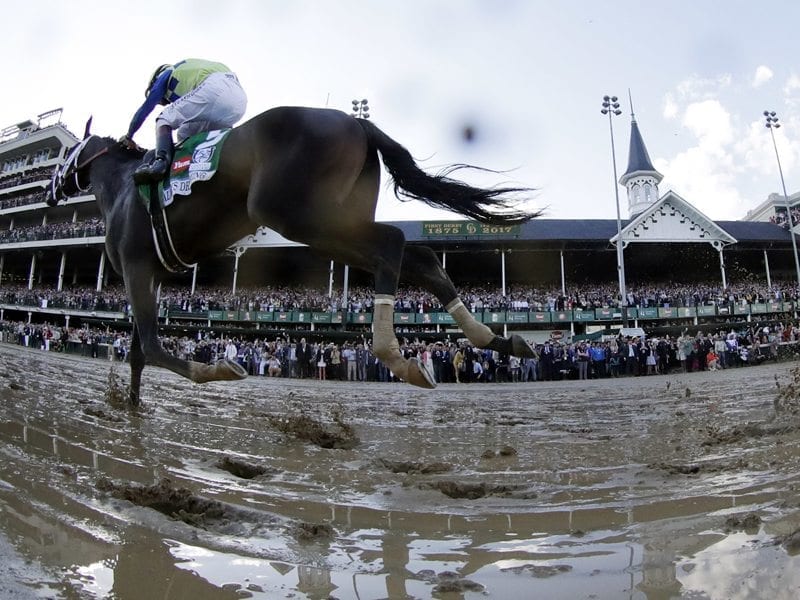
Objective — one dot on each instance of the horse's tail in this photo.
(493, 206)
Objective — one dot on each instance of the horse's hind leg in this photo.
(421, 268)
(376, 248)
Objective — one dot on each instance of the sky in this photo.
(527, 77)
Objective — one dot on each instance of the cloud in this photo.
(711, 123)
(670, 107)
(708, 172)
(705, 179)
(699, 88)
(762, 76)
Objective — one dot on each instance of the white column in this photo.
(563, 276)
(330, 281)
(194, 278)
(722, 269)
(503, 271)
(61, 268)
(444, 259)
(32, 271)
(766, 266)
(238, 252)
(346, 286)
(100, 270)
(2, 265)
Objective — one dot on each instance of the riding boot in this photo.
(158, 168)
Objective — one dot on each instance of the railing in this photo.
(499, 317)
(490, 317)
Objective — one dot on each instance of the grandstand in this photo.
(548, 277)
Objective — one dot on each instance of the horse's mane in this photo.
(119, 151)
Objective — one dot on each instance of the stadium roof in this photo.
(592, 231)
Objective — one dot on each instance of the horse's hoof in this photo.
(227, 370)
(419, 375)
(520, 348)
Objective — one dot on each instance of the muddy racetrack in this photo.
(653, 487)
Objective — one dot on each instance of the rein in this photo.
(89, 160)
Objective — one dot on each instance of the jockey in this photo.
(199, 95)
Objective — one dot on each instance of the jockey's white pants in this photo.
(217, 103)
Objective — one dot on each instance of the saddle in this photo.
(194, 159)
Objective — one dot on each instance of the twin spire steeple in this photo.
(641, 178)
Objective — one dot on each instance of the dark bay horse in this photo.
(313, 176)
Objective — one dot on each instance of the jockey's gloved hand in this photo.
(126, 141)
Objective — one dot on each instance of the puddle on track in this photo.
(600, 489)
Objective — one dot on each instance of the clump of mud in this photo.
(181, 504)
(711, 466)
(749, 522)
(312, 532)
(473, 491)
(448, 582)
(791, 543)
(539, 571)
(414, 468)
(100, 413)
(339, 434)
(175, 502)
(506, 451)
(676, 469)
(242, 469)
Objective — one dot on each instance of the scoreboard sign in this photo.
(466, 229)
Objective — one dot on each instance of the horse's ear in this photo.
(88, 127)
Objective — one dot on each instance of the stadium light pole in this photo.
(772, 124)
(611, 107)
(360, 109)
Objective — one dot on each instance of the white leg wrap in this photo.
(384, 342)
(477, 333)
(387, 349)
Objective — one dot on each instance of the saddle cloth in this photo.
(195, 159)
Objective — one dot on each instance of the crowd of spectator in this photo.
(780, 218)
(478, 298)
(39, 174)
(411, 300)
(92, 227)
(22, 199)
(448, 361)
(111, 298)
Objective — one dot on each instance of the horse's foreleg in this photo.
(421, 268)
(140, 286)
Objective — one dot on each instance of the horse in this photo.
(310, 174)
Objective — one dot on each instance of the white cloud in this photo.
(707, 180)
(762, 76)
(670, 107)
(792, 85)
(697, 88)
(711, 123)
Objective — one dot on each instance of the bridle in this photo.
(70, 171)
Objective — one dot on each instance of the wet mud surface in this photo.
(683, 486)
